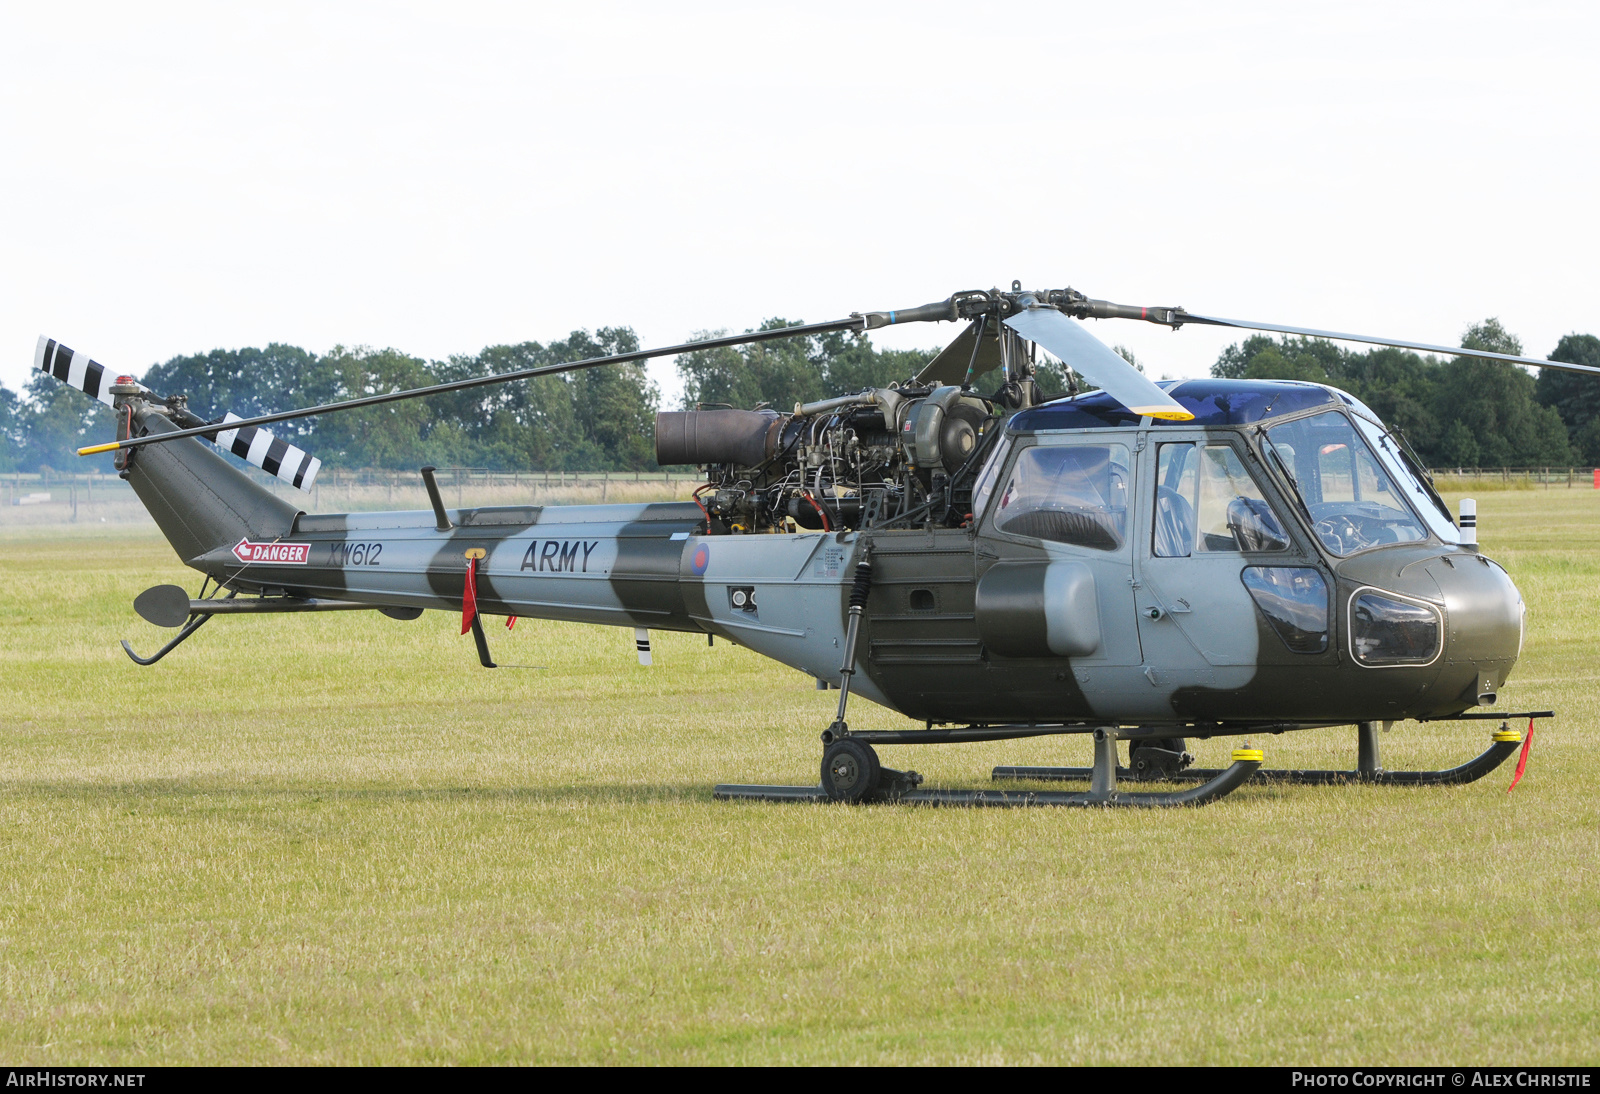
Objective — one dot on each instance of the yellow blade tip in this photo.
(97, 448)
(1171, 414)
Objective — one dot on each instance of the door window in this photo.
(1207, 502)
(1075, 494)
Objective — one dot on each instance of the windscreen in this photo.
(1353, 500)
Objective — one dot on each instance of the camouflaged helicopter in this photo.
(1143, 562)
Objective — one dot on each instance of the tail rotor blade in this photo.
(74, 369)
(1096, 362)
(274, 455)
(254, 445)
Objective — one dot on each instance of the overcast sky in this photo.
(441, 177)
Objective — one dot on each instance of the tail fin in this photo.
(200, 502)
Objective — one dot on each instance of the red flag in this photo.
(1522, 761)
(469, 596)
(511, 621)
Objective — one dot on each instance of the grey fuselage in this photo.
(969, 625)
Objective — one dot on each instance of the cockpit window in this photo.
(1409, 476)
(1351, 498)
(1207, 502)
(990, 473)
(1075, 494)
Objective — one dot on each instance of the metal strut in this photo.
(860, 590)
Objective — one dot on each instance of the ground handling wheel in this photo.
(850, 770)
(1158, 758)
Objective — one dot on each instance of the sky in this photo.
(441, 177)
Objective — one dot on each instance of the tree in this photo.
(786, 371)
(1400, 388)
(1494, 402)
(600, 418)
(778, 373)
(12, 431)
(615, 405)
(56, 420)
(391, 435)
(248, 382)
(1574, 396)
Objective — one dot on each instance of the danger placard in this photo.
(294, 554)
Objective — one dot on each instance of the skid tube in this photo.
(1102, 792)
(1368, 768)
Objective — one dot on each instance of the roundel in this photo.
(700, 559)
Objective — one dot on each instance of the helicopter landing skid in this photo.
(904, 788)
(1368, 769)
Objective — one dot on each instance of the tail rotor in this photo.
(256, 446)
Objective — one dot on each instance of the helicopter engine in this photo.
(850, 462)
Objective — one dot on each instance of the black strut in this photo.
(860, 589)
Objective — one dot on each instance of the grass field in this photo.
(336, 840)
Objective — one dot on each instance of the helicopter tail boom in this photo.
(197, 499)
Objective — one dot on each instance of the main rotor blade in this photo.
(1096, 362)
(1448, 351)
(853, 323)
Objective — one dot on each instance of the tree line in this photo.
(1455, 412)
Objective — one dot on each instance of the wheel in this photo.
(1158, 757)
(850, 770)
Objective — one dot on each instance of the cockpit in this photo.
(1354, 480)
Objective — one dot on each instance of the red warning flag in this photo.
(511, 621)
(1522, 761)
(469, 596)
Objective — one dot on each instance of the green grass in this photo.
(336, 840)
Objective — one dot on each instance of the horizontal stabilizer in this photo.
(163, 605)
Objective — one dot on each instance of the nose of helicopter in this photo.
(1484, 617)
(1466, 650)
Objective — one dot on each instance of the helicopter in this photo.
(1142, 562)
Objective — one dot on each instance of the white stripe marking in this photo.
(292, 459)
(225, 439)
(38, 353)
(258, 447)
(641, 640)
(77, 368)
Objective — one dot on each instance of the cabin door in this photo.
(1205, 519)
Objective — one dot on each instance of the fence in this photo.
(52, 497)
(1455, 479)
